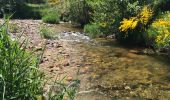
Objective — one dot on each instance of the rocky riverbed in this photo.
(106, 70)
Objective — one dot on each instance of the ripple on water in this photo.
(74, 36)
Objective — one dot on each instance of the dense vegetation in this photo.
(132, 21)
(141, 22)
(20, 77)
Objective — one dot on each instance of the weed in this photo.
(92, 30)
(47, 33)
(20, 78)
(51, 17)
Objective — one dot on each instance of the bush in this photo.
(47, 33)
(79, 11)
(160, 31)
(92, 30)
(24, 10)
(51, 17)
(133, 29)
(20, 78)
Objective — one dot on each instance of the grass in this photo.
(59, 90)
(47, 33)
(20, 78)
(92, 30)
(51, 16)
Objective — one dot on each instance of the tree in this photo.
(7, 6)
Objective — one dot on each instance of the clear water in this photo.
(121, 72)
(110, 71)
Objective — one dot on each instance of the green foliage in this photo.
(78, 11)
(134, 27)
(47, 33)
(9, 5)
(104, 14)
(160, 31)
(92, 30)
(36, 1)
(63, 90)
(51, 17)
(22, 9)
(20, 78)
(108, 17)
(33, 11)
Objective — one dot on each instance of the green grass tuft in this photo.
(20, 78)
(47, 33)
(92, 30)
(51, 17)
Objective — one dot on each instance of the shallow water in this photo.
(121, 72)
(110, 71)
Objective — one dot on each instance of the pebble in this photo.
(51, 66)
(66, 64)
(39, 48)
(51, 70)
(46, 59)
(69, 78)
(41, 61)
(127, 88)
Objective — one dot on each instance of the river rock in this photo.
(127, 88)
(69, 78)
(66, 64)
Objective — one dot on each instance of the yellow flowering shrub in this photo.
(162, 29)
(143, 17)
(128, 24)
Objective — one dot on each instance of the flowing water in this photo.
(110, 71)
(107, 69)
(122, 72)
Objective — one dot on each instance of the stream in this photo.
(110, 71)
(106, 69)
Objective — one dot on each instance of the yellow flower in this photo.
(135, 23)
(128, 24)
(145, 15)
(161, 23)
(131, 23)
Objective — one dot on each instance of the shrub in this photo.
(105, 14)
(20, 78)
(141, 19)
(79, 11)
(160, 30)
(133, 29)
(47, 33)
(51, 17)
(92, 30)
(25, 11)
